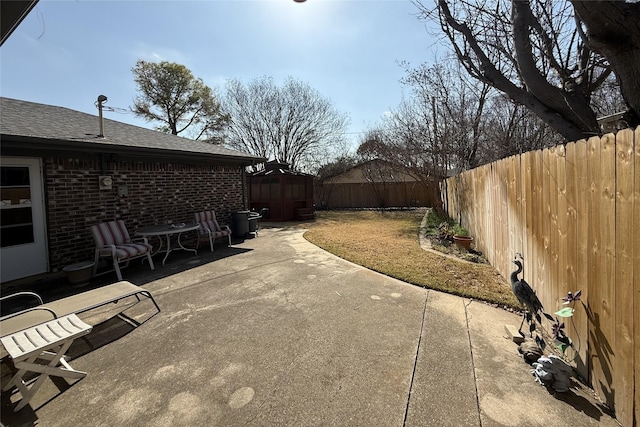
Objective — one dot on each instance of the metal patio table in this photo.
(168, 230)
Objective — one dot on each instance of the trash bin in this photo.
(79, 274)
(253, 222)
(264, 213)
(240, 223)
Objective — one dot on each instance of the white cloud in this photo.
(146, 52)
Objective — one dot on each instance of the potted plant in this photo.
(445, 231)
(461, 237)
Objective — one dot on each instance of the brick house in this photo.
(59, 177)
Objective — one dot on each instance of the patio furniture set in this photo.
(113, 240)
(37, 338)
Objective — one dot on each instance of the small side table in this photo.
(46, 341)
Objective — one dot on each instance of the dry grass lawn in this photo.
(388, 242)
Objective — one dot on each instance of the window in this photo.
(16, 226)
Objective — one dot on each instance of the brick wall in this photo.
(157, 192)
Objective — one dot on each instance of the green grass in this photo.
(388, 242)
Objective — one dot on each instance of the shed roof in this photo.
(379, 171)
(33, 125)
(275, 167)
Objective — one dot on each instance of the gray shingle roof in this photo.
(59, 127)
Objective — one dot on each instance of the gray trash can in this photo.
(253, 222)
(240, 223)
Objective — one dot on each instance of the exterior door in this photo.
(23, 245)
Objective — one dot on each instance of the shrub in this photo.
(459, 230)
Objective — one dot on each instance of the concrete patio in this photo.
(274, 331)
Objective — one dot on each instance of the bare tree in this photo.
(613, 30)
(531, 51)
(456, 105)
(380, 175)
(510, 128)
(183, 104)
(438, 128)
(452, 122)
(607, 99)
(335, 167)
(404, 141)
(292, 123)
(328, 170)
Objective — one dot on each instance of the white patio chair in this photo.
(210, 229)
(40, 312)
(113, 241)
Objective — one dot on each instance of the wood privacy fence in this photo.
(574, 213)
(376, 195)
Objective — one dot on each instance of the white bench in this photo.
(46, 342)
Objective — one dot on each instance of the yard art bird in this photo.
(527, 298)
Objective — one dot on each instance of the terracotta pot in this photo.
(463, 242)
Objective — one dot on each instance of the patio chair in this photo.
(113, 241)
(39, 312)
(37, 338)
(210, 229)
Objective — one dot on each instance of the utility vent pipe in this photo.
(101, 99)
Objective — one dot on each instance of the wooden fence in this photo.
(574, 213)
(376, 195)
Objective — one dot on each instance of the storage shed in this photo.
(281, 194)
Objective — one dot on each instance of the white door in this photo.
(23, 243)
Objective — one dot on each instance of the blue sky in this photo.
(66, 53)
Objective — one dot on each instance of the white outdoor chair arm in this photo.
(28, 310)
(112, 248)
(204, 230)
(143, 239)
(26, 293)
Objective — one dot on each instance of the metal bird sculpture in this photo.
(527, 298)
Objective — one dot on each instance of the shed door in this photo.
(23, 246)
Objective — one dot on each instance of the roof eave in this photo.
(20, 142)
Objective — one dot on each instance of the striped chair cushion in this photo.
(210, 225)
(208, 222)
(204, 216)
(128, 250)
(217, 234)
(110, 233)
